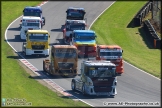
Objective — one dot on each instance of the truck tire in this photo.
(83, 90)
(24, 48)
(43, 20)
(73, 85)
(43, 66)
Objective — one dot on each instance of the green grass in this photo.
(15, 80)
(111, 28)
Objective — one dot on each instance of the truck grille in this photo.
(103, 82)
(38, 51)
(39, 47)
(66, 65)
(113, 60)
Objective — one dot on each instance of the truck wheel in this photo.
(112, 96)
(83, 90)
(73, 85)
(43, 20)
(43, 66)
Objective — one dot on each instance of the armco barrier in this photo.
(142, 13)
(152, 35)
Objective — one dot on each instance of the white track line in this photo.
(124, 61)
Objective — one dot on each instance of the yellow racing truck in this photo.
(63, 61)
(37, 43)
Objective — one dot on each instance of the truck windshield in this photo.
(75, 27)
(75, 14)
(110, 53)
(101, 71)
(35, 14)
(65, 53)
(38, 37)
(84, 36)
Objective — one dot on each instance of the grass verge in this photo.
(112, 27)
(16, 83)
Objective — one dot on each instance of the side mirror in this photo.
(49, 36)
(66, 11)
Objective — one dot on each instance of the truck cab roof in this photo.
(37, 31)
(84, 31)
(75, 21)
(76, 8)
(109, 46)
(33, 8)
(99, 63)
(64, 46)
(31, 17)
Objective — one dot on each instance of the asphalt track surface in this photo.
(133, 85)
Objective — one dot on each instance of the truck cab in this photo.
(29, 23)
(63, 61)
(97, 78)
(34, 11)
(37, 43)
(71, 25)
(85, 41)
(111, 53)
(75, 13)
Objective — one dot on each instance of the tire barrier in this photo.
(152, 35)
(142, 13)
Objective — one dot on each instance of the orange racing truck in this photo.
(111, 53)
(63, 61)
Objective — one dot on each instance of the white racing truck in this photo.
(97, 78)
(34, 11)
(29, 23)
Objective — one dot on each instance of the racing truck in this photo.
(37, 43)
(85, 41)
(35, 11)
(97, 78)
(75, 13)
(111, 53)
(71, 25)
(63, 61)
(29, 23)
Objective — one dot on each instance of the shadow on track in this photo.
(59, 29)
(81, 96)
(45, 75)
(16, 39)
(15, 29)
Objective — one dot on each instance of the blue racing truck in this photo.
(85, 41)
(35, 11)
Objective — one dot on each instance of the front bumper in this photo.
(90, 91)
(37, 52)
